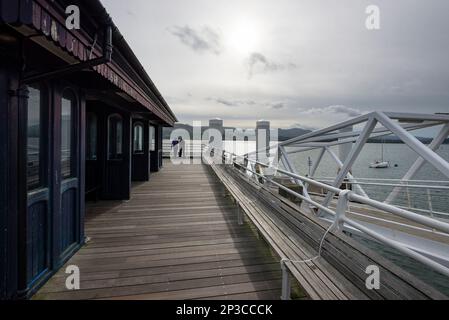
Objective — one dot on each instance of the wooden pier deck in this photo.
(177, 238)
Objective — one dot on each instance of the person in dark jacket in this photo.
(182, 146)
(175, 147)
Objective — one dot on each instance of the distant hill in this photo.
(286, 134)
(283, 134)
(167, 131)
(394, 139)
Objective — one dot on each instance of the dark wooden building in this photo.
(79, 119)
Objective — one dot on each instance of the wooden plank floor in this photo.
(177, 238)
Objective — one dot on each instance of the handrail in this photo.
(383, 179)
(344, 196)
(433, 223)
(423, 188)
(416, 186)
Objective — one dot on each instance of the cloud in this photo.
(227, 102)
(130, 13)
(202, 40)
(258, 63)
(336, 109)
(278, 106)
(238, 103)
(232, 103)
(321, 117)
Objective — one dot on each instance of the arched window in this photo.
(91, 136)
(36, 133)
(138, 138)
(115, 137)
(68, 139)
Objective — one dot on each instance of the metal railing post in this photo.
(286, 283)
(342, 206)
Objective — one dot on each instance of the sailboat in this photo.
(380, 164)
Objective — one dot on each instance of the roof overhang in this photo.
(44, 21)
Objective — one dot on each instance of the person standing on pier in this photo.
(175, 146)
(182, 145)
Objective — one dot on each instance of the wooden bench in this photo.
(340, 272)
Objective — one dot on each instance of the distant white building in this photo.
(217, 124)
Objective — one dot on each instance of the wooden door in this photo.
(117, 171)
(35, 226)
(67, 157)
(140, 154)
(68, 161)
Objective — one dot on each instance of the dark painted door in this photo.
(117, 171)
(155, 148)
(67, 168)
(51, 227)
(140, 155)
(36, 225)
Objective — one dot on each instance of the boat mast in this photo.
(382, 153)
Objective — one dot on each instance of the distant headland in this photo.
(286, 134)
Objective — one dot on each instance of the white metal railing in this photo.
(192, 149)
(412, 188)
(339, 214)
(392, 180)
(373, 125)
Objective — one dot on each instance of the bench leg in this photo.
(286, 284)
(239, 214)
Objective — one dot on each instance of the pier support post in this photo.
(286, 283)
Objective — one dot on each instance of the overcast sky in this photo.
(307, 63)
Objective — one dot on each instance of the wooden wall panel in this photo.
(37, 239)
(68, 220)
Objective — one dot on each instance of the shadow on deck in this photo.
(177, 238)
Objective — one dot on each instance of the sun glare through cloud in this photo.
(243, 36)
